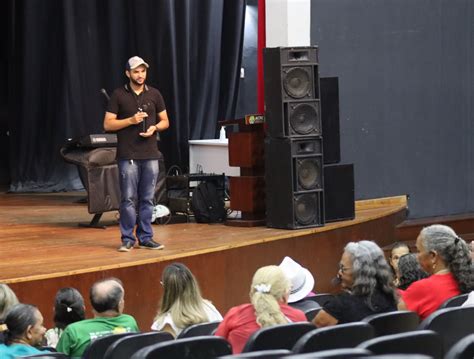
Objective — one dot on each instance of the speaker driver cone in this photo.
(297, 82)
(308, 174)
(305, 209)
(303, 118)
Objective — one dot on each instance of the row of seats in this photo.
(404, 345)
(434, 336)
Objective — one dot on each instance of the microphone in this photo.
(104, 92)
(143, 109)
(336, 281)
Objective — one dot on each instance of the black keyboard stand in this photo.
(94, 223)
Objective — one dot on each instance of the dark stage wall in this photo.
(406, 75)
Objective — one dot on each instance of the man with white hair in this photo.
(107, 299)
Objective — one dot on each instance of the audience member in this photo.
(398, 249)
(107, 299)
(25, 332)
(68, 308)
(7, 300)
(182, 304)
(409, 270)
(301, 280)
(445, 257)
(471, 248)
(302, 283)
(268, 296)
(366, 280)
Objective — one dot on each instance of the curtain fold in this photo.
(64, 52)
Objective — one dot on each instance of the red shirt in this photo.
(426, 295)
(240, 323)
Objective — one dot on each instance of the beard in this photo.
(136, 83)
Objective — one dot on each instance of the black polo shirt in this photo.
(125, 103)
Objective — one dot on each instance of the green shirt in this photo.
(77, 336)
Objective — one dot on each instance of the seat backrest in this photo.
(203, 347)
(309, 307)
(305, 304)
(46, 356)
(452, 324)
(321, 298)
(456, 301)
(393, 322)
(463, 349)
(283, 336)
(260, 354)
(98, 347)
(339, 336)
(334, 354)
(425, 342)
(125, 347)
(199, 329)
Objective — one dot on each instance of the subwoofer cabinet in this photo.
(294, 182)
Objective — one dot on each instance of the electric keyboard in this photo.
(97, 140)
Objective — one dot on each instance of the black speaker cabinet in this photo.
(294, 182)
(330, 119)
(339, 192)
(292, 103)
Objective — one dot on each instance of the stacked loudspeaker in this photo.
(299, 192)
(293, 146)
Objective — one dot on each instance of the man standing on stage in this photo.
(136, 111)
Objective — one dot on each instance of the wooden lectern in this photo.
(247, 191)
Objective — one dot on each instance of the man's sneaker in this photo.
(151, 244)
(126, 247)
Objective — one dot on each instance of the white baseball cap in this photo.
(134, 62)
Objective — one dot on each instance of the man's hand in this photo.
(151, 130)
(138, 118)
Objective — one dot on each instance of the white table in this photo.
(210, 156)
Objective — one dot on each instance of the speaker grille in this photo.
(304, 119)
(309, 174)
(297, 82)
(306, 209)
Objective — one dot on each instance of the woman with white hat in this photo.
(301, 279)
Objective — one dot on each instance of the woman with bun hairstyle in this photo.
(68, 308)
(446, 258)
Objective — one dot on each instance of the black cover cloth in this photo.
(64, 51)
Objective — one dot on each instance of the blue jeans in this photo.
(137, 186)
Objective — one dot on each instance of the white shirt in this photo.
(211, 312)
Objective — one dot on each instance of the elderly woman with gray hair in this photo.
(366, 280)
(446, 258)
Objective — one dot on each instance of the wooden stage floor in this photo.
(41, 246)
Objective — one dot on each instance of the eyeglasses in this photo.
(343, 269)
